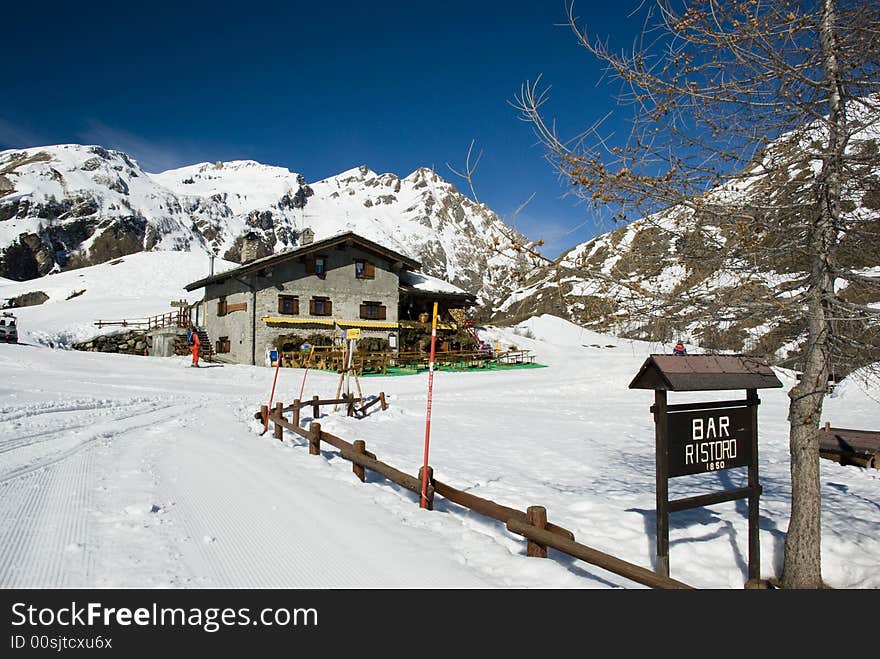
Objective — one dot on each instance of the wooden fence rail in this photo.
(594, 556)
(179, 318)
(532, 524)
(490, 508)
(315, 403)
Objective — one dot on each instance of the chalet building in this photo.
(323, 287)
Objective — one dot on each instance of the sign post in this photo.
(696, 438)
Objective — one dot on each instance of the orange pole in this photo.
(272, 395)
(423, 500)
(308, 361)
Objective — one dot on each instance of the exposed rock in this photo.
(30, 299)
(6, 187)
(92, 164)
(121, 237)
(133, 342)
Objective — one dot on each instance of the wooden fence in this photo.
(531, 524)
(179, 318)
(351, 403)
(334, 359)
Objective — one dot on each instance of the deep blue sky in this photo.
(315, 87)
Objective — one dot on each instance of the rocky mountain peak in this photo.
(66, 206)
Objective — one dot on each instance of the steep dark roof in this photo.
(281, 257)
(704, 373)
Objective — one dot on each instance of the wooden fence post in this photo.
(314, 438)
(279, 429)
(350, 405)
(316, 409)
(360, 446)
(537, 516)
(430, 495)
(296, 412)
(264, 414)
(382, 399)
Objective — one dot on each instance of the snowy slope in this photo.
(130, 287)
(126, 471)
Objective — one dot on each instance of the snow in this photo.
(127, 471)
(245, 184)
(131, 287)
(422, 282)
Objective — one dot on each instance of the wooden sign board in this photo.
(709, 440)
(179, 303)
(353, 334)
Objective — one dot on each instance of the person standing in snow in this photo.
(194, 345)
(679, 349)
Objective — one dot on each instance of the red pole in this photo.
(272, 395)
(308, 361)
(423, 500)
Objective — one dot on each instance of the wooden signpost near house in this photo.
(694, 438)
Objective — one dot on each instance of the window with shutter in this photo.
(320, 306)
(373, 310)
(310, 265)
(288, 304)
(364, 269)
(221, 306)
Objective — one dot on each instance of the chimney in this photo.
(306, 237)
(249, 246)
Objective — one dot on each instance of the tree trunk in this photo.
(802, 566)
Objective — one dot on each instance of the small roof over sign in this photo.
(704, 373)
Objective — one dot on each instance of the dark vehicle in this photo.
(8, 328)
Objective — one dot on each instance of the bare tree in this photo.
(755, 124)
(469, 169)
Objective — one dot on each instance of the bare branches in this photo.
(469, 169)
(751, 165)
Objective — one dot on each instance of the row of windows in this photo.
(317, 265)
(318, 306)
(323, 306)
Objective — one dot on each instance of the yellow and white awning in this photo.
(280, 320)
(365, 324)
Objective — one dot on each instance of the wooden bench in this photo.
(850, 447)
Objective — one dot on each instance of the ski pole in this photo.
(423, 500)
(308, 361)
(272, 395)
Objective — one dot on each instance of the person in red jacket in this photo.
(194, 347)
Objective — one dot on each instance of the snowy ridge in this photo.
(612, 282)
(69, 206)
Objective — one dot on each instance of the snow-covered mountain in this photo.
(67, 206)
(740, 251)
